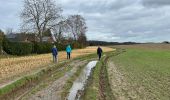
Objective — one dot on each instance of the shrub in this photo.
(77, 45)
(60, 46)
(17, 48)
(41, 48)
(23, 48)
(1, 39)
(45, 47)
(0, 48)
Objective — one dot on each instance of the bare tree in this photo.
(77, 25)
(40, 15)
(82, 39)
(61, 28)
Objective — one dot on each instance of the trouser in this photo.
(68, 55)
(55, 59)
(99, 55)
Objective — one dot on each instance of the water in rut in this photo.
(81, 80)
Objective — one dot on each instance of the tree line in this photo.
(104, 43)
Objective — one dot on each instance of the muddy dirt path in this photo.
(54, 90)
(121, 89)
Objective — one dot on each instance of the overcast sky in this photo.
(107, 20)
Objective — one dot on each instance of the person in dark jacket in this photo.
(99, 52)
(55, 53)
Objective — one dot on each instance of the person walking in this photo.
(99, 52)
(55, 54)
(68, 50)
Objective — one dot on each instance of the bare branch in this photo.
(77, 25)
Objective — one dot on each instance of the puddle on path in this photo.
(80, 82)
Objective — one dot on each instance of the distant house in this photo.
(48, 39)
(31, 38)
(11, 37)
(21, 37)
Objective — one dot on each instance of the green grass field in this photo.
(147, 71)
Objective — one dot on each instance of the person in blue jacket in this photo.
(68, 50)
(55, 53)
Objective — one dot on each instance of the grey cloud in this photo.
(155, 3)
(100, 6)
(119, 4)
(9, 14)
